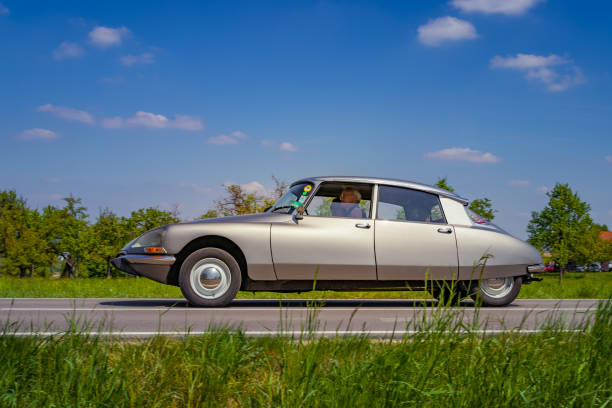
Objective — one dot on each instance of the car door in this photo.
(333, 245)
(412, 239)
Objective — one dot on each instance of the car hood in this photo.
(248, 218)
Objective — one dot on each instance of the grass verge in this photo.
(446, 364)
(574, 286)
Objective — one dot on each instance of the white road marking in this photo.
(293, 333)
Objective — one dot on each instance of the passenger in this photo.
(348, 205)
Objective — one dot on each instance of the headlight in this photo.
(148, 239)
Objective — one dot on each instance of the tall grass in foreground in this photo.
(574, 286)
(446, 364)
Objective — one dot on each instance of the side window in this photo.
(346, 200)
(404, 204)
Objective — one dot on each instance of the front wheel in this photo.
(210, 277)
(498, 291)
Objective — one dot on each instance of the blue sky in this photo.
(135, 104)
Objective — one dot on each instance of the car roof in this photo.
(388, 181)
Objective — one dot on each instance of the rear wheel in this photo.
(498, 291)
(210, 277)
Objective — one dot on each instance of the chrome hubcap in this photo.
(210, 278)
(497, 287)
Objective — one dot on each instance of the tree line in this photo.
(63, 240)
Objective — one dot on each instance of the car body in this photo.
(391, 235)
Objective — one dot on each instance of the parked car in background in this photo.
(550, 267)
(605, 266)
(594, 267)
(579, 268)
(340, 233)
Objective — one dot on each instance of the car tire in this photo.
(498, 291)
(210, 277)
(448, 293)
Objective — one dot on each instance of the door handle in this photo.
(359, 225)
(446, 230)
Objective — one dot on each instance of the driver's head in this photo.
(350, 195)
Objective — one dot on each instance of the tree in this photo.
(481, 206)
(145, 219)
(443, 184)
(592, 248)
(209, 214)
(66, 231)
(108, 235)
(561, 226)
(23, 248)
(237, 201)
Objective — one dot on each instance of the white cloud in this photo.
(463, 154)
(609, 159)
(187, 122)
(519, 183)
(527, 61)
(509, 7)
(555, 72)
(67, 113)
(67, 50)
(284, 146)
(37, 133)
(231, 139)
(113, 123)
(254, 187)
(444, 29)
(144, 58)
(155, 121)
(107, 36)
(148, 119)
(288, 147)
(542, 190)
(3, 10)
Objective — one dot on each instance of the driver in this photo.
(349, 204)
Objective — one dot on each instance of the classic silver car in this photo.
(343, 234)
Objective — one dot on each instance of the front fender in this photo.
(253, 239)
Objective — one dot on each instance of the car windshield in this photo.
(292, 199)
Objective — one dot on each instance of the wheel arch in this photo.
(208, 241)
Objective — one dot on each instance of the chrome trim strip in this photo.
(166, 260)
(391, 182)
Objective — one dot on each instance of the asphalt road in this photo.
(377, 318)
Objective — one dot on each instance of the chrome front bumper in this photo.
(156, 268)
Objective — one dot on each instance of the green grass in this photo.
(446, 364)
(574, 286)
